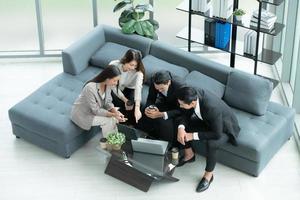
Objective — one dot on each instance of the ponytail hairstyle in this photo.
(131, 55)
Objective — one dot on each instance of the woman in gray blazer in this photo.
(94, 105)
(130, 84)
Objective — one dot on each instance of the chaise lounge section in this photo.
(43, 119)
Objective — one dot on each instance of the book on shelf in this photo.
(267, 24)
(266, 16)
(209, 32)
(269, 28)
(201, 5)
(250, 43)
(222, 35)
(223, 8)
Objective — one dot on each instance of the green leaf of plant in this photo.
(147, 28)
(128, 27)
(154, 23)
(135, 15)
(138, 28)
(125, 17)
(120, 5)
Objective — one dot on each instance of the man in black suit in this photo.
(205, 117)
(162, 107)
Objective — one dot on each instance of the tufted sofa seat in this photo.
(46, 113)
(43, 117)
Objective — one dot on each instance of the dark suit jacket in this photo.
(217, 116)
(167, 103)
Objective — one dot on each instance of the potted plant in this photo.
(116, 139)
(132, 19)
(238, 13)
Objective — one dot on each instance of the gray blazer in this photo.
(89, 104)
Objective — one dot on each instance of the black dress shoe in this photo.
(204, 184)
(182, 161)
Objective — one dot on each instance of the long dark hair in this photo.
(131, 55)
(108, 73)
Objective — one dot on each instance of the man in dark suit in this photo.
(205, 117)
(162, 107)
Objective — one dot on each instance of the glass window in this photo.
(295, 51)
(18, 25)
(171, 21)
(106, 14)
(65, 21)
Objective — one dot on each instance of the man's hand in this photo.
(153, 113)
(189, 137)
(181, 135)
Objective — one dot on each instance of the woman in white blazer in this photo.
(130, 84)
(94, 105)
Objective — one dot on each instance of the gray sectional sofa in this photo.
(43, 117)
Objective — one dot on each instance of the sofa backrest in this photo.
(190, 61)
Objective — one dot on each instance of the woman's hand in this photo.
(119, 116)
(137, 114)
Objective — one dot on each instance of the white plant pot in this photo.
(239, 17)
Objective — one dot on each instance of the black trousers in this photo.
(158, 128)
(196, 125)
(129, 94)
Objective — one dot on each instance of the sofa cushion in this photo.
(247, 92)
(199, 80)
(108, 52)
(153, 64)
(46, 112)
(261, 136)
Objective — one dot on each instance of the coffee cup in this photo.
(175, 153)
(129, 105)
(103, 143)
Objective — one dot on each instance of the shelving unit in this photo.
(236, 48)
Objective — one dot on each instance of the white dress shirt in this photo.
(131, 79)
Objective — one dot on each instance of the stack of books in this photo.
(202, 6)
(250, 43)
(267, 22)
(223, 8)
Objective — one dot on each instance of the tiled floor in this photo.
(29, 172)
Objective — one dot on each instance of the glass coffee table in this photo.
(138, 169)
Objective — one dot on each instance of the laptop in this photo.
(158, 147)
(130, 133)
(149, 163)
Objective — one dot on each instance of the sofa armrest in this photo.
(76, 57)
